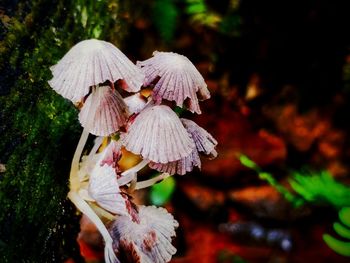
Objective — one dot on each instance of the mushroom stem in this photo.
(73, 177)
(98, 142)
(129, 174)
(102, 213)
(133, 184)
(110, 257)
(152, 181)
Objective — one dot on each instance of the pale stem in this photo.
(102, 213)
(98, 142)
(152, 181)
(87, 210)
(129, 174)
(133, 184)
(73, 177)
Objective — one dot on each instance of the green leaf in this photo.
(267, 176)
(162, 192)
(178, 110)
(212, 19)
(344, 216)
(196, 8)
(248, 162)
(340, 247)
(96, 32)
(320, 187)
(301, 190)
(341, 230)
(165, 14)
(84, 16)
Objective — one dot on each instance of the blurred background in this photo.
(279, 76)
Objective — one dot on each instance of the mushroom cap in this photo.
(92, 62)
(179, 79)
(148, 240)
(104, 188)
(181, 167)
(158, 135)
(203, 140)
(135, 103)
(103, 112)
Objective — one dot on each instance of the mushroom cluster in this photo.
(90, 75)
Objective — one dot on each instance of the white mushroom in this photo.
(89, 63)
(149, 239)
(178, 79)
(204, 141)
(181, 167)
(158, 135)
(103, 112)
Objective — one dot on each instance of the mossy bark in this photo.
(39, 129)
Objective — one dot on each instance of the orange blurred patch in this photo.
(203, 197)
(128, 159)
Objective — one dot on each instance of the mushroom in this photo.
(158, 135)
(181, 167)
(86, 75)
(104, 189)
(178, 79)
(89, 63)
(103, 112)
(146, 240)
(204, 141)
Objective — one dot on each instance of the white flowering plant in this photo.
(145, 126)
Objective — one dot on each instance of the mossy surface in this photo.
(39, 129)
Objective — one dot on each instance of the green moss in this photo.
(39, 129)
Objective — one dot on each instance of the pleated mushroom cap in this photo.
(203, 140)
(92, 62)
(181, 167)
(104, 189)
(148, 240)
(179, 79)
(103, 112)
(158, 135)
